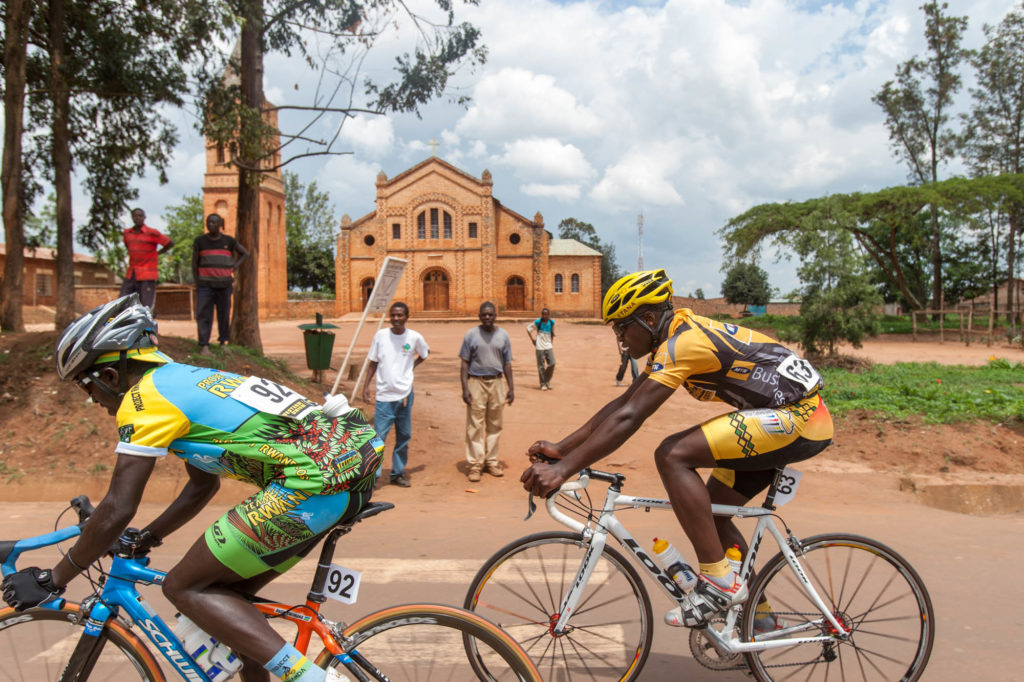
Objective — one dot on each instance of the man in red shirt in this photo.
(142, 242)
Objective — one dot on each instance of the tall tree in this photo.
(571, 228)
(238, 117)
(184, 224)
(995, 133)
(16, 20)
(99, 72)
(917, 113)
(311, 231)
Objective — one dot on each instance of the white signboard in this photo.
(386, 285)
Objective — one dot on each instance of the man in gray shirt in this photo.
(486, 355)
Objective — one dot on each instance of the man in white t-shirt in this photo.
(394, 354)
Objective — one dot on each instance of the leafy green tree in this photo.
(838, 302)
(917, 108)
(746, 283)
(995, 130)
(40, 230)
(699, 294)
(237, 116)
(98, 74)
(311, 233)
(184, 224)
(571, 228)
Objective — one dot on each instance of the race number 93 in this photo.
(342, 584)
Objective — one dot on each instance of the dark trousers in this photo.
(625, 360)
(145, 288)
(208, 299)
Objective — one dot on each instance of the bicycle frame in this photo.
(596, 534)
(119, 592)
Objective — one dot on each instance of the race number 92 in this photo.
(342, 584)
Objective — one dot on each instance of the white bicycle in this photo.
(846, 607)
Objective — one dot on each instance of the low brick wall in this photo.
(718, 307)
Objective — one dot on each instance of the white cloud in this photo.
(564, 192)
(545, 159)
(369, 135)
(641, 177)
(514, 102)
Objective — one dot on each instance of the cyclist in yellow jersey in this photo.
(780, 418)
(311, 470)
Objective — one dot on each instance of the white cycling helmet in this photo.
(123, 328)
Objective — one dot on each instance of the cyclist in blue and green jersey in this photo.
(311, 470)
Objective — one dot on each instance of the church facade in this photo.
(462, 247)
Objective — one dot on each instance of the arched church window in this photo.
(396, 231)
(558, 284)
(421, 226)
(447, 225)
(433, 223)
(472, 230)
(574, 283)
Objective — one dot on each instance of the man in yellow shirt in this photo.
(780, 418)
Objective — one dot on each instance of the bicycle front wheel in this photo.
(38, 643)
(421, 642)
(521, 589)
(870, 590)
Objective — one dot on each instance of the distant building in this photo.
(463, 247)
(40, 274)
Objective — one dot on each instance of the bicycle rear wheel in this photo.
(870, 589)
(36, 645)
(421, 642)
(521, 588)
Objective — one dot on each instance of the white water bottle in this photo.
(216, 659)
(674, 564)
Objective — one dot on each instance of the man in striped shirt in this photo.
(214, 259)
(142, 242)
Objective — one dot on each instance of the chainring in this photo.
(705, 653)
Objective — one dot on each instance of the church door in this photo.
(365, 289)
(435, 291)
(515, 294)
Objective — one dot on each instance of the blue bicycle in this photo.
(93, 640)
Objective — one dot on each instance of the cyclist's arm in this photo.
(200, 489)
(112, 515)
(606, 436)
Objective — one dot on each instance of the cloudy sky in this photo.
(687, 111)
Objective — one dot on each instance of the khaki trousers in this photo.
(483, 420)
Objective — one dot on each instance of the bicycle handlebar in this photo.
(84, 507)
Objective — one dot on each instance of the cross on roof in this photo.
(433, 144)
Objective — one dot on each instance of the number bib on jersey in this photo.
(800, 371)
(273, 398)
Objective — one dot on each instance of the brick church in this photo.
(462, 246)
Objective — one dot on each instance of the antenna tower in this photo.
(640, 241)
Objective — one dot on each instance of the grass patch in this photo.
(941, 394)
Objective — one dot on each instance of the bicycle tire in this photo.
(426, 642)
(37, 643)
(871, 590)
(521, 588)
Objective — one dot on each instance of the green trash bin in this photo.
(319, 343)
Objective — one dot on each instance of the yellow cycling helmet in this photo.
(648, 287)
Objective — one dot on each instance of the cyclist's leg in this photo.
(266, 533)
(678, 457)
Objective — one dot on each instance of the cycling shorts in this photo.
(749, 445)
(274, 528)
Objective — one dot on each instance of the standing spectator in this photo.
(625, 359)
(486, 355)
(394, 354)
(142, 242)
(215, 257)
(544, 328)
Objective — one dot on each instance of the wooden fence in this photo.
(965, 314)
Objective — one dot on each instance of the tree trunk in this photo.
(245, 323)
(936, 260)
(60, 96)
(15, 45)
(1011, 274)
